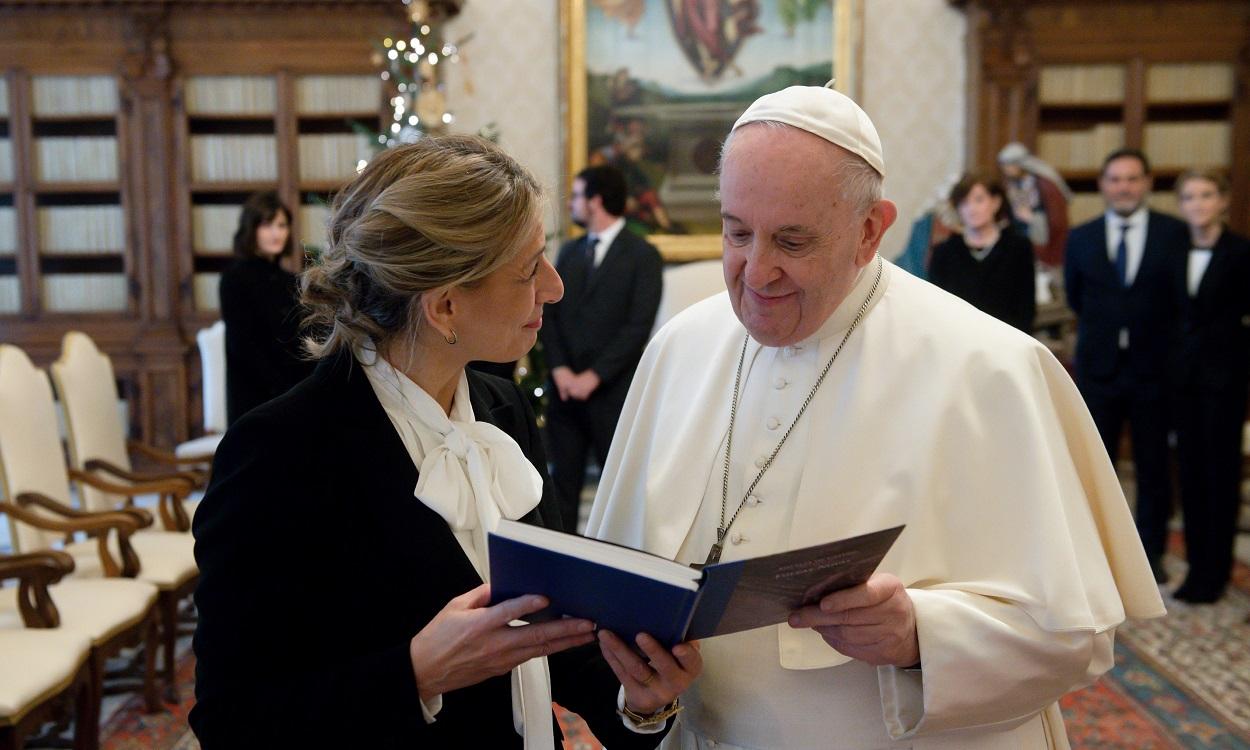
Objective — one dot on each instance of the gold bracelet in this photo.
(650, 720)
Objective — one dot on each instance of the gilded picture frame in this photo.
(663, 81)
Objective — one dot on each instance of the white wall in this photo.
(913, 78)
(508, 74)
(912, 75)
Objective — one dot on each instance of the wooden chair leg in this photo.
(169, 636)
(151, 695)
(89, 697)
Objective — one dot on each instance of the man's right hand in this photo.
(564, 379)
(468, 642)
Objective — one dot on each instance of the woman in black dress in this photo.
(260, 308)
(989, 264)
(342, 542)
(1210, 366)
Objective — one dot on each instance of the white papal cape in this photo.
(1019, 550)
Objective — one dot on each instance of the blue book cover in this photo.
(629, 592)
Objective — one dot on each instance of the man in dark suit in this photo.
(1116, 276)
(595, 335)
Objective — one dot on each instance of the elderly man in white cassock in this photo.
(828, 393)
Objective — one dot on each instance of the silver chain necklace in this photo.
(713, 555)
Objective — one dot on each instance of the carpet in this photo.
(130, 728)
(1181, 681)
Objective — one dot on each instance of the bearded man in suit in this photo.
(595, 335)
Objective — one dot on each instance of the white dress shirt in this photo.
(1199, 260)
(606, 238)
(1135, 241)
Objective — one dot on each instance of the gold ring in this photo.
(649, 679)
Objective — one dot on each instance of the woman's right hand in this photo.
(468, 641)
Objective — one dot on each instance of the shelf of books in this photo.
(80, 219)
(233, 152)
(1080, 120)
(1185, 115)
(10, 287)
(337, 120)
(239, 131)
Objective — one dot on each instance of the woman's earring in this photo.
(453, 338)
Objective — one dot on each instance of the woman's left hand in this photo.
(651, 686)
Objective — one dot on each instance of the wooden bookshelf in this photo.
(10, 286)
(310, 123)
(74, 195)
(151, 78)
(329, 110)
(1073, 79)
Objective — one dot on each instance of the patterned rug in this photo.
(1181, 681)
(129, 728)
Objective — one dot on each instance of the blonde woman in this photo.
(1210, 366)
(342, 542)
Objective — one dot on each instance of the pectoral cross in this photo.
(713, 555)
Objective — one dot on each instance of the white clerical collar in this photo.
(842, 317)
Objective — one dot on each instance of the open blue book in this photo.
(629, 591)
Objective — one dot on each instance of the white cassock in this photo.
(1019, 554)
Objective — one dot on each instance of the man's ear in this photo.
(878, 219)
(595, 204)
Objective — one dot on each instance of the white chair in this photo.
(36, 479)
(212, 345)
(687, 284)
(103, 603)
(84, 379)
(43, 663)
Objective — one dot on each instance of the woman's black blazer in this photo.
(264, 359)
(318, 565)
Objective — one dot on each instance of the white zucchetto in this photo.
(824, 112)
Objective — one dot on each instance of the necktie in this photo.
(1121, 256)
(592, 241)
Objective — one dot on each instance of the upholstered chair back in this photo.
(212, 344)
(31, 457)
(84, 380)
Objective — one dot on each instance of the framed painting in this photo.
(653, 87)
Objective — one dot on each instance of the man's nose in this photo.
(759, 270)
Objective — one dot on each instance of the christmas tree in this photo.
(412, 68)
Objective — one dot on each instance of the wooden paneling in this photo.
(1011, 40)
(151, 47)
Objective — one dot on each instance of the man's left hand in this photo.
(653, 682)
(873, 622)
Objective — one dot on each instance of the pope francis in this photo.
(828, 393)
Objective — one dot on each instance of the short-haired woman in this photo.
(988, 264)
(342, 542)
(1210, 366)
(260, 307)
